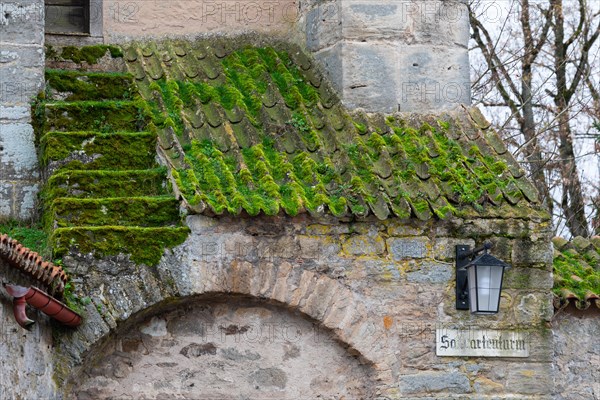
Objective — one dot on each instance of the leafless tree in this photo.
(537, 67)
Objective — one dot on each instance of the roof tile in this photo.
(268, 134)
(576, 272)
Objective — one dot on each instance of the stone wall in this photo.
(235, 347)
(394, 55)
(576, 355)
(26, 362)
(21, 78)
(379, 288)
(126, 20)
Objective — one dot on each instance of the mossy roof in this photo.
(254, 128)
(577, 272)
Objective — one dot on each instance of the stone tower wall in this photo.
(394, 55)
(21, 78)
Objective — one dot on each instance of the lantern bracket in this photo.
(464, 255)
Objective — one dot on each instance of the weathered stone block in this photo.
(22, 21)
(432, 382)
(523, 278)
(332, 62)
(14, 114)
(432, 77)
(445, 247)
(323, 25)
(530, 378)
(323, 230)
(437, 22)
(6, 199)
(526, 252)
(363, 245)
(364, 20)
(432, 272)
(405, 227)
(404, 248)
(21, 73)
(533, 308)
(18, 156)
(370, 76)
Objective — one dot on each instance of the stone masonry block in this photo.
(405, 228)
(530, 378)
(18, 157)
(21, 73)
(323, 25)
(332, 61)
(370, 20)
(370, 75)
(25, 195)
(432, 273)
(15, 114)
(22, 21)
(405, 248)
(432, 77)
(6, 199)
(523, 278)
(364, 245)
(445, 247)
(533, 308)
(526, 252)
(431, 22)
(433, 382)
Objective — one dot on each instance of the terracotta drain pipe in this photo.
(43, 302)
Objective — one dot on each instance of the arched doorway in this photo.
(224, 348)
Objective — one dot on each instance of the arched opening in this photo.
(223, 347)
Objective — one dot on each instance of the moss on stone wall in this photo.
(99, 151)
(144, 245)
(105, 183)
(105, 193)
(124, 211)
(89, 54)
(77, 85)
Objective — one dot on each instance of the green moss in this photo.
(92, 151)
(103, 116)
(89, 54)
(573, 273)
(100, 183)
(89, 85)
(122, 211)
(145, 245)
(283, 158)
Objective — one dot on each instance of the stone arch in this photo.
(215, 343)
(177, 281)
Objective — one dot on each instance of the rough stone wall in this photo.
(233, 348)
(21, 78)
(394, 55)
(381, 289)
(26, 362)
(576, 355)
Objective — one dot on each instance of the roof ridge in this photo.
(32, 264)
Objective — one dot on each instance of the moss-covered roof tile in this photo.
(577, 272)
(262, 131)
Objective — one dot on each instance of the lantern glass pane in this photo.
(484, 289)
(472, 279)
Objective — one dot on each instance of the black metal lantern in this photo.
(478, 280)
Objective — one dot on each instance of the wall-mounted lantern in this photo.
(478, 279)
